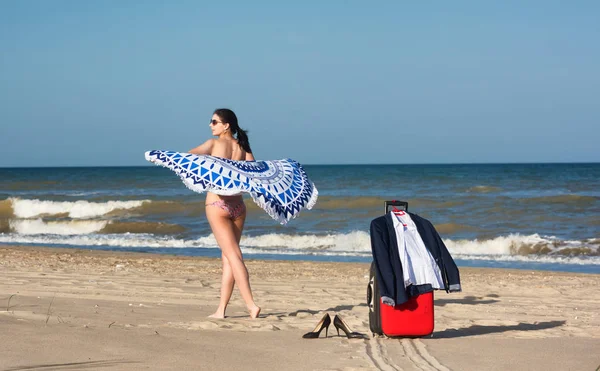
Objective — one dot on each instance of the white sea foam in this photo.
(355, 243)
(556, 259)
(285, 251)
(25, 208)
(114, 240)
(72, 227)
(498, 246)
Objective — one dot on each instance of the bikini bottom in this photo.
(234, 208)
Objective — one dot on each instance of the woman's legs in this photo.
(227, 283)
(228, 234)
(227, 280)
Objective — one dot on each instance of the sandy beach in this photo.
(70, 309)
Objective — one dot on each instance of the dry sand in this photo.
(70, 309)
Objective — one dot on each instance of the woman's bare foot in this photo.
(217, 314)
(254, 312)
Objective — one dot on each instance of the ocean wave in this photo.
(554, 259)
(357, 243)
(15, 207)
(519, 245)
(72, 227)
(360, 242)
(81, 227)
(81, 209)
(6, 209)
(4, 226)
(84, 209)
(111, 240)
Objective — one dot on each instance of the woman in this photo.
(226, 214)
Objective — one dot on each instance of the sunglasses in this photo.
(214, 122)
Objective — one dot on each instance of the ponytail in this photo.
(242, 138)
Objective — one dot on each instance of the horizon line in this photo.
(328, 164)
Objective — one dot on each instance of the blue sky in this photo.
(86, 83)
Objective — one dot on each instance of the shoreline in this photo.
(124, 310)
(248, 258)
(214, 253)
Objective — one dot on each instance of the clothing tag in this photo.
(400, 213)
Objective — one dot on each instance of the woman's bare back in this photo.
(228, 148)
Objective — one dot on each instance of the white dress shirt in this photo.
(418, 266)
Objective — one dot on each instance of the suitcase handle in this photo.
(370, 296)
(403, 205)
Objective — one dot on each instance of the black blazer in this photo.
(384, 247)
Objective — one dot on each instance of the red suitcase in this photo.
(411, 319)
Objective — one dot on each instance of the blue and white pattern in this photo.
(280, 187)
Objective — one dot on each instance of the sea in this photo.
(523, 216)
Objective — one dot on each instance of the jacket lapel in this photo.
(391, 232)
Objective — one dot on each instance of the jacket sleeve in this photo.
(439, 251)
(450, 267)
(385, 274)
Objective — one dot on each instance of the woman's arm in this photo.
(249, 157)
(203, 149)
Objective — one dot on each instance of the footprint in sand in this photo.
(206, 325)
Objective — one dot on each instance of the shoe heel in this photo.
(341, 325)
(323, 324)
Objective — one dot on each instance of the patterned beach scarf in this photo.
(280, 187)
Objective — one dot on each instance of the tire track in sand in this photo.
(418, 355)
(378, 356)
(378, 351)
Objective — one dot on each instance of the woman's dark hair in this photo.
(229, 117)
